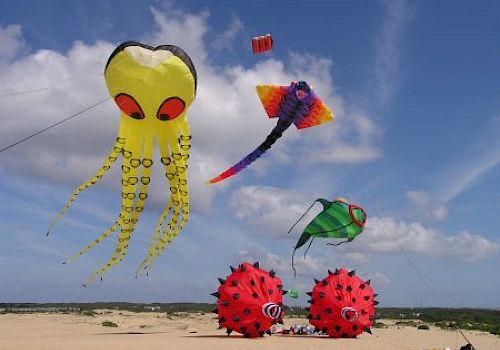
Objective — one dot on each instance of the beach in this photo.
(150, 330)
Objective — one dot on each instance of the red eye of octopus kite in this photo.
(171, 108)
(129, 106)
(249, 300)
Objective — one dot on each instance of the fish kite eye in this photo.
(129, 106)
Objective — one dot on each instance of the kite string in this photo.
(26, 92)
(430, 287)
(291, 228)
(293, 264)
(54, 125)
(402, 250)
(339, 243)
(309, 246)
(71, 84)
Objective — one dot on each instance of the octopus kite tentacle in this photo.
(112, 156)
(98, 240)
(130, 176)
(169, 168)
(146, 162)
(171, 172)
(183, 212)
(140, 199)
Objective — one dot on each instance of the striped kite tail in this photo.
(251, 157)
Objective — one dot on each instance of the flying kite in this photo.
(342, 305)
(262, 43)
(293, 293)
(153, 87)
(295, 104)
(338, 219)
(250, 300)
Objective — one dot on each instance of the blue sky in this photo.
(416, 141)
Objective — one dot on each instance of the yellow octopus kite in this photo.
(153, 87)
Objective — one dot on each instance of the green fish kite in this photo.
(338, 219)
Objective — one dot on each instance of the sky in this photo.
(415, 141)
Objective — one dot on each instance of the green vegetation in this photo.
(133, 307)
(448, 319)
(108, 324)
(88, 313)
(410, 323)
(485, 327)
(423, 326)
(295, 312)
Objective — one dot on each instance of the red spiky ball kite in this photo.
(342, 305)
(249, 300)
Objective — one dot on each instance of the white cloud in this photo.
(398, 16)
(225, 40)
(353, 139)
(183, 29)
(378, 278)
(307, 269)
(11, 43)
(481, 156)
(271, 208)
(466, 169)
(348, 154)
(387, 235)
(470, 174)
(310, 267)
(423, 205)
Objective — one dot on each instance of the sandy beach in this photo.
(46, 331)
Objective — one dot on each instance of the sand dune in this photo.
(152, 331)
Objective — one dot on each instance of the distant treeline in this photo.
(486, 320)
(134, 307)
(479, 319)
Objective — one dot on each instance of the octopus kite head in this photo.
(151, 84)
(301, 90)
